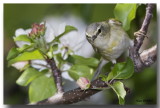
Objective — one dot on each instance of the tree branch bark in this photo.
(138, 41)
(149, 56)
(56, 74)
(75, 95)
(146, 58)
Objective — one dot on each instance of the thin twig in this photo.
(56, 74)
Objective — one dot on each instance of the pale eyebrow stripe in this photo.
(99, 27)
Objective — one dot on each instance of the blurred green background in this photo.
(143, 85)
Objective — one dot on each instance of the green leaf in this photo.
(41, 88)
(29, 75)
(52, 49)
(118, 87)
(26, 56)
(59, 59)
(42, 44)
(24, 47)
(68, 29)
(55, 47)
(77, 71)
(12, 53)
(103, 77)
(125, 13)
(122, 70)
(22, 38)
(76, 59)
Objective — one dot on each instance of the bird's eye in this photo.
(99, 31)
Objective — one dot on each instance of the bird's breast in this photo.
(113, 48)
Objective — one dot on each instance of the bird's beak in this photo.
(94, 37)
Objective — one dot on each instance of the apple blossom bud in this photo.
(37, 30)
(83, 83)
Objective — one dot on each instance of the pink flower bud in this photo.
(34, 30)
(37, 30)
(83, 83)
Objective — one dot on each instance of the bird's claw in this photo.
(140, 33)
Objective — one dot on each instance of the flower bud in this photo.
(83, 83)
(37, 30)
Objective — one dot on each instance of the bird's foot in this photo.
(140, 33)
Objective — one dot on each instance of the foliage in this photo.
(77, 71)
(29, 75)
(68, 29)
(118, 87)
(122, 70)
(36, 49)
(26, 56)
(22, 38)
(79, 60)
(125, 13)
(40, 86)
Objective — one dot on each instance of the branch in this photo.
(56, 74)
(139, 62)
(149, 56)
(75, 95)
(146, 58)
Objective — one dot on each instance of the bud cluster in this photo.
(37, 30)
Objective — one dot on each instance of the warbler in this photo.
(109, 39)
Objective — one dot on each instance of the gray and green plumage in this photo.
(108, 38)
